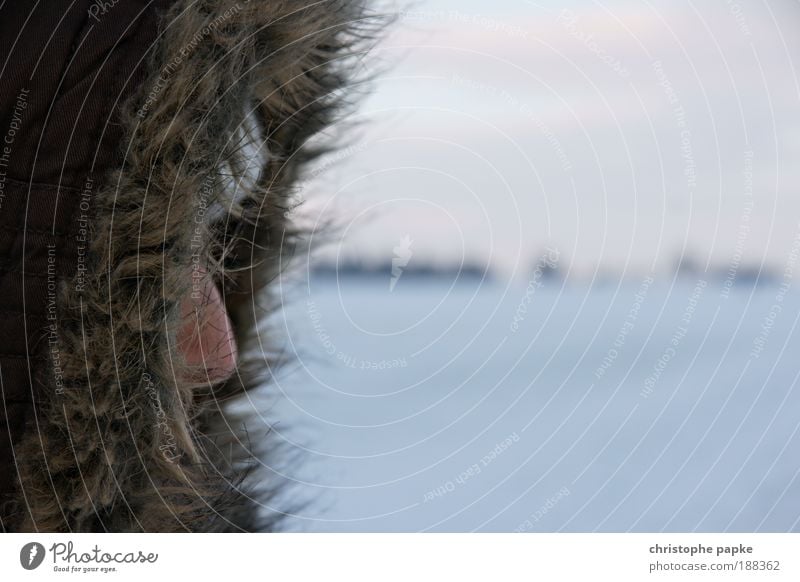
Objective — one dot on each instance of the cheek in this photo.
(206, 338)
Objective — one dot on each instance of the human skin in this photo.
(205, 338)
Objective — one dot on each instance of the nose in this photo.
(205, 338)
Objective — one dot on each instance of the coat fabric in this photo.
(127, 132)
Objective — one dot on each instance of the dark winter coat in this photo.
(122, 126)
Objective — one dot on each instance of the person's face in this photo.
(206, 338)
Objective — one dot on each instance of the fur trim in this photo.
(128, 446)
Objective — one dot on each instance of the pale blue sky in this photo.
(500, 128)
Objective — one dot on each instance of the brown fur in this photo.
(128, 446)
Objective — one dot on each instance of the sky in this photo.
(626, 135)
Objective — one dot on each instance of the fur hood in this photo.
(216, 124)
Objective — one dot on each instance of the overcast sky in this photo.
(621, 133)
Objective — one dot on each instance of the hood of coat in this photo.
(211, 117)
